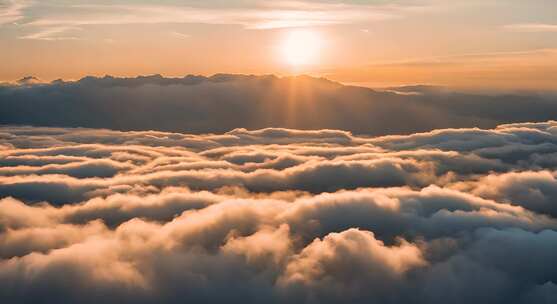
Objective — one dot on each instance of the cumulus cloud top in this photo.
(278, 215)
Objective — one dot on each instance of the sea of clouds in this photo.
(278, 216)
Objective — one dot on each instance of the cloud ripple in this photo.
(278, 215)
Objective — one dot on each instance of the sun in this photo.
(301, 47)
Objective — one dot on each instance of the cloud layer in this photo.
(220, 103)
(278, 215)
(51, 18)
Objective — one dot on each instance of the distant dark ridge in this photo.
(222, 102)
(158, 79)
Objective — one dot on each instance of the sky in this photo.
(478, 44)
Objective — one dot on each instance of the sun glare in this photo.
(301, 47)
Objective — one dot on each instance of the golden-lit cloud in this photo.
(427, 217)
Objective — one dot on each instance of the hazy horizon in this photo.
(223, 102)
(26, 79)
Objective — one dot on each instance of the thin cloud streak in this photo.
(269, 17)
(53, 34)
(12, 10)
(531, 27)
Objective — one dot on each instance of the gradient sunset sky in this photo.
(480, 44)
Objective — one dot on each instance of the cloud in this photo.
(51, 19)
(53, 33)
(278, 215)
(195, 104)
(534, 190)
(90, 168)
(380, 269)
(180, 35)
(531, 27)
(12, 10)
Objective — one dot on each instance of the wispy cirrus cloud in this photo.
(278, 15)
(180, 35)
(50, 20)
(531, 27)
(12, 10)
(53, 33)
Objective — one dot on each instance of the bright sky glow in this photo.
(301, 47)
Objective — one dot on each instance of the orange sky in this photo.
(473, 44)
